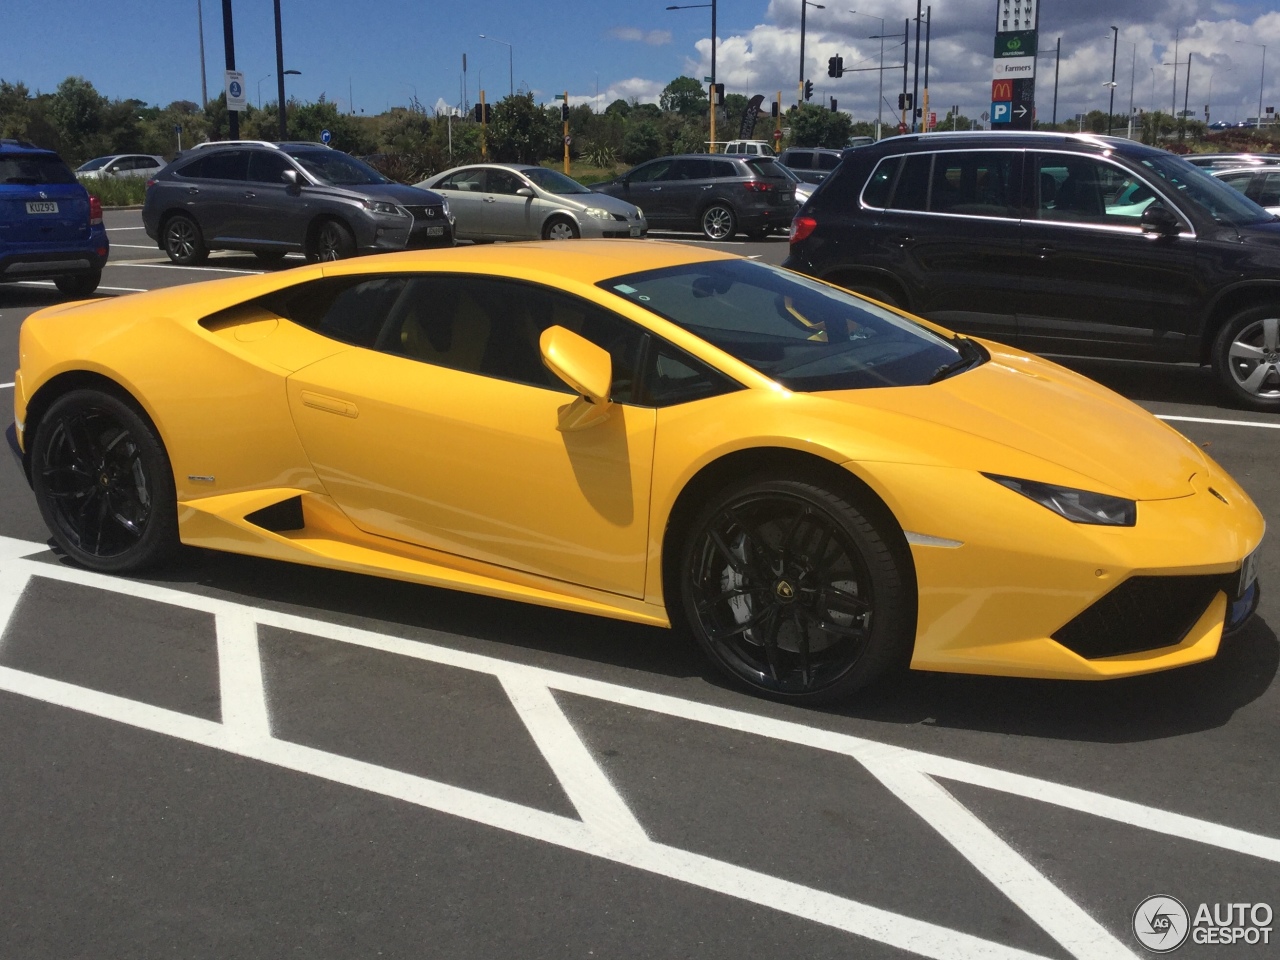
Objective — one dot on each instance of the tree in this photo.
(642, 142)
(77, 112)
(522, 131)
(618, 106)
(813, 126)
(685, 96)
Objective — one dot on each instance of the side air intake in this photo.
(279, 517)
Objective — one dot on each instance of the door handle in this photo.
(249, 194)
(1045, 252)
(318, 401)
(654, 189)
(490, 199)
(193, 190)
(705, 186)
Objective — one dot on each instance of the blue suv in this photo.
(50, 228)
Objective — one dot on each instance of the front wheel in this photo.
(333, 241)
(719, 222)
(794, 592)
(103, 483)
(560, 228)
(1246, 358)
(183, 241)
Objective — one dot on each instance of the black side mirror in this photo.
(1160, 220)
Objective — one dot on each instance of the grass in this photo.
(584, 173)
(124, 192)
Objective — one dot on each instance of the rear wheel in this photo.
(1246, 358)
(560, 228)
(103, 483)
(719, 222)
(333, 241)
(81, 285)
(183, 241)
(794, 592)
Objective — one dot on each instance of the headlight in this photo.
(599, 213)
(639, 214)
(1078, 506)
(381, 206)
(444, 206)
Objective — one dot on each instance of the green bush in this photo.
(124, 192)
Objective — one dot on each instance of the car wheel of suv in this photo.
(333, 240)
(269, 258)
(1246, 358)
(794, 592)
(81, 285)
(560, 228)
(719, 222)
(183, 241)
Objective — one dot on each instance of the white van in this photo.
(758, 148)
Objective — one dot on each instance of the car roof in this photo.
(1013, 139)
(1252, 168)
(24, 147)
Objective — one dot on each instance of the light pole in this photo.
(1111, 104)
(1262, 75)
(1209, 103)
(711, 147)
(260, 89)
(804, 6)
(880, 93)
(905, 50)
(510, 70)
(284, 129)
(204, 90)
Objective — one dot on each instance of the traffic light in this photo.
(904, 101)
(808, 89)
(833, 104)
(835, 66)
(717, 94)
(564, 112)
(483, 112)
(919, 112)
(773, 108)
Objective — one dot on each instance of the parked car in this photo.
(498, 201)
(278, 198)
(716, 194)
(810, 163)
(121, 165)
(804, 189)
(853, 142)
(50, 227)
(1260, 183)
(1059, 243)
(752, 148)
(816, 488)
(1231, 159)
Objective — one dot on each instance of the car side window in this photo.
(912, 191)
(828, 161)
(800, 160)
(1269, 195)
(471, 181)
(232, 165)
(691, 169)
(504, 182)
(876, 192)
(671, 376)
(193, 170)
(351, 309)
(724, 169)
(1085, 190)
(651, 171)
(981, 183)
(267, 166)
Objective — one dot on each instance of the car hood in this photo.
(391, 192)
(1047, 412)
(603, 200)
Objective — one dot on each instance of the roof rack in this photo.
(1095, 138)
(257, 143)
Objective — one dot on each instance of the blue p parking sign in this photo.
(325, 136)
(1001, 111)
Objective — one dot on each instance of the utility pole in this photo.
(906, 59)
(204, 89)
(915, 77)
(229, 47)
(1057, 63)
(1111, 104)
(1173, 100)
(928, 24)
(280, 106)
(1186, 93)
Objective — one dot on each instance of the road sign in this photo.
(985, 116)
(777, 134)
(1021, 43)
(234, 85)
(1001, 111)
(568, 140)
(177, 128)
(1013, 68)
(325, 136)
(933, 120)
(902, 128)
(708, 79)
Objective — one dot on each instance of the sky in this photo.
(369, 55)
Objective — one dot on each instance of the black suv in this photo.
(719, 195)
(277, 198)
(1058, 243)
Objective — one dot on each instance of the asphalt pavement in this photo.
(241, 758)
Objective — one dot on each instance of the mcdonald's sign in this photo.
(1001, 90)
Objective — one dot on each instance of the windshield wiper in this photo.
(970, 355)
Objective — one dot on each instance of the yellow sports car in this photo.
(818, 486)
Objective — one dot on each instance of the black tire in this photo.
(269, 258)
(81, 285)
(1246, 358)
(794, 592)
(719, 222)
(103, 483)
(757, 233)
(560, 228)
(332, 240)
(183, 241)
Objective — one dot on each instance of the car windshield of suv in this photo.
(93, 165)
(335, 168)
(801, 333)
(1213, 196)
(553, 182)
(33, 169)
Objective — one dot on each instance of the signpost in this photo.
(1013, 72)
(325, 137)
(235, 91)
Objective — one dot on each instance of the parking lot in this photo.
(252, 759)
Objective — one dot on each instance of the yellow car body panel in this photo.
(437, 476)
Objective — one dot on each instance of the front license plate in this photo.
(434, 231)
(1248, 573)
(42, 206)
(635, 231)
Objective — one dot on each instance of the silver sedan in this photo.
(500, 201)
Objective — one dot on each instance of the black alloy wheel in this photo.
(103, 483)
(793, 592)
(183, 241)
(333, 241)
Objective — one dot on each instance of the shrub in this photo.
(124, 192)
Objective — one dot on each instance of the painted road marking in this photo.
(607, 828)
(1229, 423)
(49, 284)
(164, 265)
(133, 246)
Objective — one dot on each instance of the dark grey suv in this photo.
(278, 198)
(1057, 243)
(718, 195)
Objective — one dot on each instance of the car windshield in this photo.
(553, 182)
(93, 165)
(34, 168)
(803, 334)
(1211, 195)
(336, 168)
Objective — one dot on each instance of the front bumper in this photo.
(423, 228)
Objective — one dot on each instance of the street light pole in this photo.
(804, 5)
(880, 93)
(1262, 76)
(204, 89)
(511, 85)
(1111, 103)
(260, 89)
(712, 98)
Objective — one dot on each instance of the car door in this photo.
(690, 186)
(508, 216)
(441, 428)
(217, 197)
(464, 189)
(1095, 282)
(648, 186)
(267, 211)
(951, 235)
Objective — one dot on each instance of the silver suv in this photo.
(278, 198)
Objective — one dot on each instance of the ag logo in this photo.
(1161, 924)
(1014, 44)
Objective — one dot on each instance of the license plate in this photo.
(42, 206)
(434, 231)
(1248, 573)
(635, 231)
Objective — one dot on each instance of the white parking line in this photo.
(47, 284)
(6, 386)
(607, 828)
(1229, 423)
(173, 267)
(135, 246)
(114, 229)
